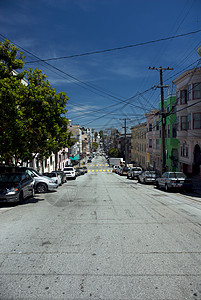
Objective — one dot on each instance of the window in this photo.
(174, 130)
(150, 126)
(157, 125)
(189, 121)
(157, 144)
(184, 123)
(183, 97)
(177, 97)
(173, 110)
(184, 150)
(168, 108)
(150, 143)
(197, 121)
(189, 92)
(196, 90)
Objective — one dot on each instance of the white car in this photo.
(53, 175)
(70, 172)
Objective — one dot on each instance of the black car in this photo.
(15, 187)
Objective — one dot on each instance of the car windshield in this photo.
(137, 169)
(68, 169)
(52, 175)
(5, 178)
(150, 174)
(177, 175)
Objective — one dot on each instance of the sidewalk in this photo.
(196, 184)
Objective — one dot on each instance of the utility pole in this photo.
(163, 114)
(125, 139)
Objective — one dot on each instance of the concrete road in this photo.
(102, 236)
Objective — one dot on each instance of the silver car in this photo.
(147, 177)
(174, 180)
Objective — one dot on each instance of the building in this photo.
(139, 145)
(124, 147)
(153, 144)
(188, 94)
(171, 141)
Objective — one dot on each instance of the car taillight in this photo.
(188, 180)
(173, 181)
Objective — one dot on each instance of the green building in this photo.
(171, 142)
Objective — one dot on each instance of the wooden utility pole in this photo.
(163, 114)
(125, 141)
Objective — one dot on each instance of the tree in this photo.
(33, 117)
(114, 152)
(94, 146)
(101, 134)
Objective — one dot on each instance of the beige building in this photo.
(139, 145)
(188, 88)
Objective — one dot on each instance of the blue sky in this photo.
(100, 84)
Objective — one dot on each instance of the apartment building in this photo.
(139, 145)
(188, 93)
(152, 136)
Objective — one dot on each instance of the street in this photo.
(102, 236)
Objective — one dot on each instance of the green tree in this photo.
(94, 146)
(32, 115)
(114, 152)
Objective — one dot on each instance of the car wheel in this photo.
(157, 185)
(41, 188)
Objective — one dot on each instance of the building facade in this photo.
(188, 93)
(171, 141)
(153, 144)
(139, 145)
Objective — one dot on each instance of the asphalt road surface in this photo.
(102, 236)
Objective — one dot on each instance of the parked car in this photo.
(80, 170)
(85, 169)
(55, 176)
(63, 176)
(15, 187)
(41, 183)
(114, 168)
(174, 180)
(148, 177)
(70, 172)
(130, 173)
(118, 169)
(136, 172)
(124, 171)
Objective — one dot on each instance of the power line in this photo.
(117, 48)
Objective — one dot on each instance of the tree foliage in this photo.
(94, 146)
(33, 117)
(114, 152)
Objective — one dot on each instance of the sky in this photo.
(85, 47)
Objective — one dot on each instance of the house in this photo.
(171, 141)
(188, 94)
(139, 145)
(153, 145)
